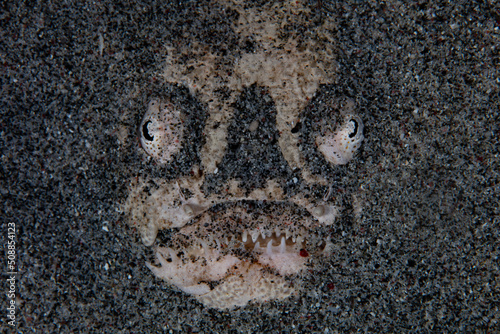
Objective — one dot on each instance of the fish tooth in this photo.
(287, 234)
(169, 252)
(244, 236)
(270, 247)
(255, 235)
(162, 260)
(277, 231)
(257, 246)
(263, 234)
(283, 245)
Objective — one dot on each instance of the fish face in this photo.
(245, 199)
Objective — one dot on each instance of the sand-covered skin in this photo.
(250, 149)
(416, 251)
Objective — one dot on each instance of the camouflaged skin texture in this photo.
(244, 219)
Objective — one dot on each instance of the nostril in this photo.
(145, 131)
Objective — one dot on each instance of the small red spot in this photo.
(303, 253)
(330, 286)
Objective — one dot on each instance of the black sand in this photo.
(422, 257)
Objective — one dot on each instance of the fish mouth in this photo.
(241, 251)
(247, 228)
(276, 242)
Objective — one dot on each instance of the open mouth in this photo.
(241, 251)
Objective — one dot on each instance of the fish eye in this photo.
(161, 131)
(145, 131)
(339, 147)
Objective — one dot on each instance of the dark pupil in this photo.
(355, 129)
(145, 132)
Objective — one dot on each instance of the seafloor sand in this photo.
(421, 256)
